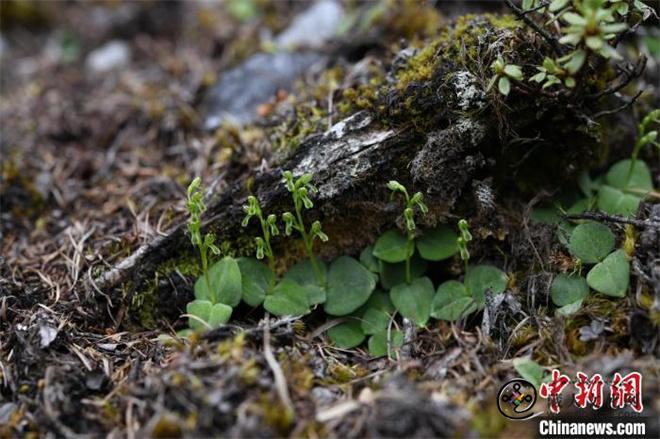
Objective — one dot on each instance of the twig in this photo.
(552, 41)
(621, 108)
(280, 381)
(228, 330)
(600, 216)
(636, 72)
(409, 334)
(536, 8)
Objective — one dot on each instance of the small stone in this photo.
(313, 27)
(113, 55)
(47, 334)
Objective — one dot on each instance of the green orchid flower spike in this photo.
(301, 189)
(196, 207)
(412, 203)
(462, 241)
(268, 229)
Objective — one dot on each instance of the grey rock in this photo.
(240, 90)
(313, 27)
(4, 46)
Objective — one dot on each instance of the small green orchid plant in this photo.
(412, 204)
(301, 189)
(218, 288)
(196, 207)
(400, 261)
(268, 228)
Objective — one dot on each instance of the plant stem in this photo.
(269, 250)
(205, 265)
(409, 253)
(633, 158)
(309, 244)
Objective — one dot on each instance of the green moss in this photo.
(488, 421)
(143, 307)
(339, 373)
(18, 191)
(298, 373)
(275, 415)
(187, 265)
(504, 21)
(420, 67)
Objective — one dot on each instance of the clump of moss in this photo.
(615, 312)
(418, 88)
(275, 415)
(232, 348)
(143, 306)
(488, 420)
(298, 373)
(18, 192)
(339, 373)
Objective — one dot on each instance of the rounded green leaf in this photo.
(640, 178)
(392, 247)
(378, 343)
(288, 299)
(567, 289)
(545, 215)
(395, 274)
(611, 276)
(347, 335)
(591, 242)
(200, 309)
(576, 62)
(225, 279)
(303, 274)
(374, 320)
(482, 277)
(616, 202)
(413, 300)
(349, 286)
(201, 288)
(438, 244)
(368, 260)
(529, 370)
(219, 315)
(513, 71)
(452, 302)
(504, 85)
(379, 300)
(256, 280)
(570, 309)
(580, 206)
